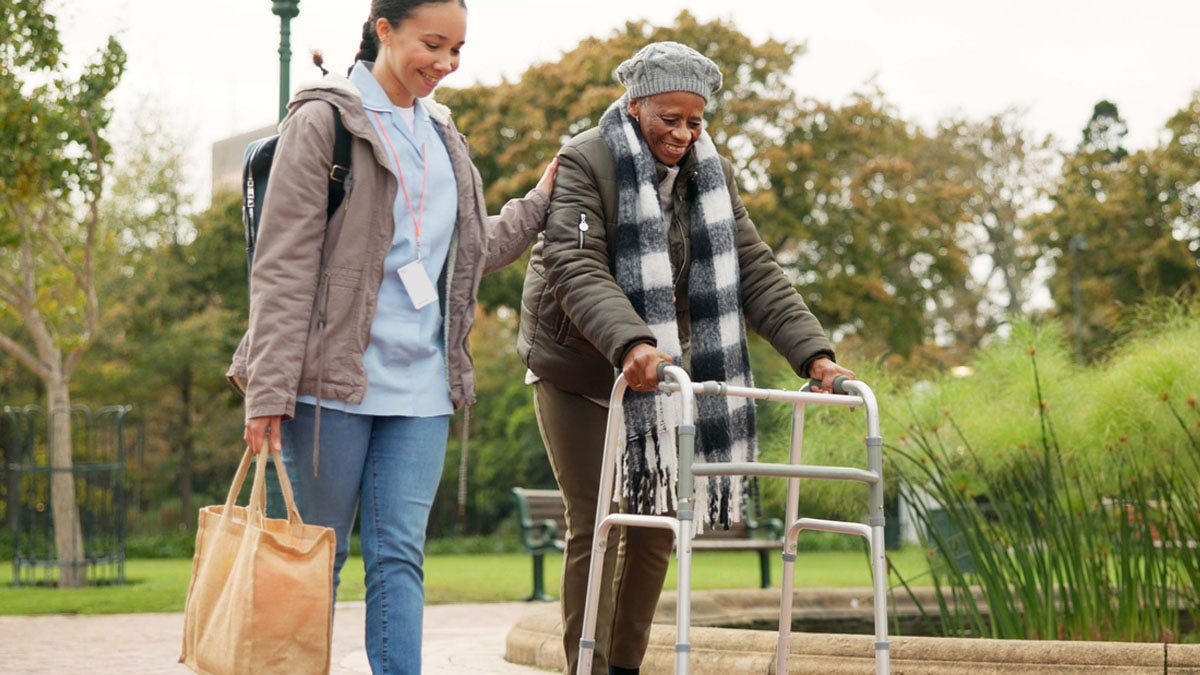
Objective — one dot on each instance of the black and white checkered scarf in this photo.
(725, 426)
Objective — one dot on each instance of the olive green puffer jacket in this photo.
(577, 324)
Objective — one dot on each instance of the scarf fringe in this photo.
(648, 474)
(649, 466)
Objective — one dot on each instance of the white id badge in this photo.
(417, 283)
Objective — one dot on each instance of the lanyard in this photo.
(419, 214)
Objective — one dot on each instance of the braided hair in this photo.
(395, 11)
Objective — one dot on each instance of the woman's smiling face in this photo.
(422, 50)
(670, 122)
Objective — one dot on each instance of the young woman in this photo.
(357, 350)
(622, 283)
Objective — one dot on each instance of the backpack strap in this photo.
(341, 164)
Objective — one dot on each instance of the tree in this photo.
(50, 190)
(191, 314)
(175, 310)
(1009, 176)
(863, 207)
(1181, 171)
(1104, 133)
(1135, 216)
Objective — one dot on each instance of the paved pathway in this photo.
(458, 639)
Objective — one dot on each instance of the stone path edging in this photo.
(536, 640)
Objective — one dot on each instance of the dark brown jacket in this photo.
(576, 323)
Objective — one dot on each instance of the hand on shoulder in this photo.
(546, 182)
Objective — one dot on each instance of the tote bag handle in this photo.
(258, 497)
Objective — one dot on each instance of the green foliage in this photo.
(1118, 402)
(1007, 170)
(162, 544)
(1136, 218)
(1069, 492)
(55, 251)
(176, 310)
(53, 130)
(1105, 132)
(1095, 408)
(52, 125)
(450, 576)
(864, 208)
(832, 437)
(504, 447)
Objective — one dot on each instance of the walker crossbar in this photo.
(674, 380)
(800, 396)
(638, 520)
(837, 526)
(785, 471)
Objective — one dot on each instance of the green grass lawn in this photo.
(161, 585)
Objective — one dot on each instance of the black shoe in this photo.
(617, 670)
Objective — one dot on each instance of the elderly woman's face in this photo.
(671, 123)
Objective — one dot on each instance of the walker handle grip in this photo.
(838, 384)
(662, 370)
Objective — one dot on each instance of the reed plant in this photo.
(1084, 529)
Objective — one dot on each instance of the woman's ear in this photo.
(383, 30)
(635, 107)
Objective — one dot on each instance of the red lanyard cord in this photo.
(418, 215)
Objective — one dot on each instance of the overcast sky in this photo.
(211, 66)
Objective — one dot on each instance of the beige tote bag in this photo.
(261, 595)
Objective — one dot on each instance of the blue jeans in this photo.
(389, 468)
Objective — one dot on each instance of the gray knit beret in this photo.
(661, 67)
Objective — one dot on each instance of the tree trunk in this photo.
(186, 449)
(68, 537)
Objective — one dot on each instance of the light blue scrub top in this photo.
(406, 358)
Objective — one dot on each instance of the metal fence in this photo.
(98, 447)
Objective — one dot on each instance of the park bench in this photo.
(541, 517)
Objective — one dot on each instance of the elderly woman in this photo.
(649, 256)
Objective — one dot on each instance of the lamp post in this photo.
(286, 10)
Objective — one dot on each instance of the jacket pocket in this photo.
(567, 332)
(345, 277)
(561, 330)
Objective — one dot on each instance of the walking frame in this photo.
(672, 379)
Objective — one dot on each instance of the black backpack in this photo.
(256, 170)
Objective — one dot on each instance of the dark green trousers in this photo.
(636, 560)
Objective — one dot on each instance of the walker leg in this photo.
(783, 645)
(683, 606)
(879, 586)
(587, 637)
(791, 513)
(608, 470)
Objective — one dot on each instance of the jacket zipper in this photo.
(583, 227)
(686, 252)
